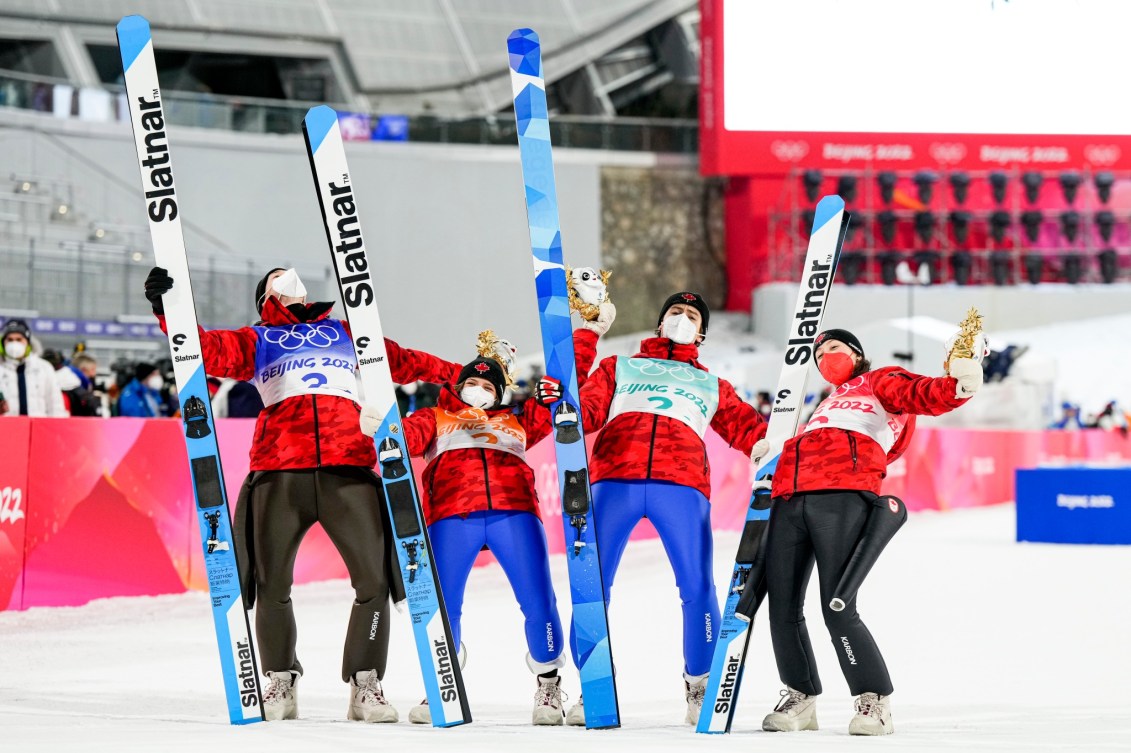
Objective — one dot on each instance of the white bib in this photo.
(304, 359)
(667, 388)
(472, 428)
(854, 406)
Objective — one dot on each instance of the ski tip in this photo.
(317, 124)
(525, 52)
(133, 35)
(827, 208)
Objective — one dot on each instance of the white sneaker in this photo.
(873, 715)
(420, 714)
(576, 715)
(696, 687)
(794, 712)
(548, 702)
(367, 700)
(280, 700)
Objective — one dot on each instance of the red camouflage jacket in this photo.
(838, 459)
(649, 446)
(467, 480)
(308, 431)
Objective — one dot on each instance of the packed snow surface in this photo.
(992, 645)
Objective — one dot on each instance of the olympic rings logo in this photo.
(293, 338)
(680, 372)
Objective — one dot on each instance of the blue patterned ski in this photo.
(233, 634)
(829, 223)
(590, 621)
(443, 681)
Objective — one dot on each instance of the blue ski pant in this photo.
(681, 516)
(518, 541)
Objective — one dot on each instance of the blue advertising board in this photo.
(1074, 505)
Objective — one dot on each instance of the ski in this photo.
(587, 590)
(443, 681)
(747, 583)
(233, 632)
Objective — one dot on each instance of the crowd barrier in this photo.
(91, 508)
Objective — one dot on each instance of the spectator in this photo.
(1111, 418)
(1069, 418)
(765, 405)
(141, 398)
(27, 382)
(236, 399)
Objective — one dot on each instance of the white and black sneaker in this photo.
(795, 712)
(420, 714)
(548, 702)
(873, 715)
(367, 700)
(280, 699)
(696, 688)
(576, 715)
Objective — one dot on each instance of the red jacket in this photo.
(308, 431)
(650, 446)
(466, 480)
(825, 459)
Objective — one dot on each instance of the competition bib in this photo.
(667, 388)
(853, 406)
(304, 359)
(472, 428)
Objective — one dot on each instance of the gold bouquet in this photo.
(490, 346)
(588, 289)
(968, 339)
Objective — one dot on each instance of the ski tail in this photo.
(587, 591)
(443, 680)
(147, 116)
(748, 584)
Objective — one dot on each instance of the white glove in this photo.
(604, 319)
(759, 450)
(371, 419)
(968, 372)
(979, 350)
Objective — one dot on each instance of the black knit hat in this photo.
(15, 327)
(842, 335)
(261, 289)
(688, 299)
(142, 370)
(486, 368)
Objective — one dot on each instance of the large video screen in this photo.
(986, 82)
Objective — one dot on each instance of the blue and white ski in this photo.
(590, 621)
(233, 634)
(443, 681)
(748, 579)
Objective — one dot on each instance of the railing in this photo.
(259, 115)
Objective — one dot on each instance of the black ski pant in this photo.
(345, 501)
(822, 528)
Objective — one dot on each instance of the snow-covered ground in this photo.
(993, 646)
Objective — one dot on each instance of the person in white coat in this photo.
(27, 382)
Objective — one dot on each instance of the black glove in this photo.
(156, 285)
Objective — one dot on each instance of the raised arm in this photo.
(900, 391)
(738, 422)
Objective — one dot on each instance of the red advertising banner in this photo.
(91, 508)
(13, 508)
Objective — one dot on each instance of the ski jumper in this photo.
(826, 479)
(479, 493)
(310, 464)
(650, 461)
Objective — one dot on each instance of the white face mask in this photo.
(289, 285)
(155, 382)
(15, 350)
(680, 329)
(477, 397)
